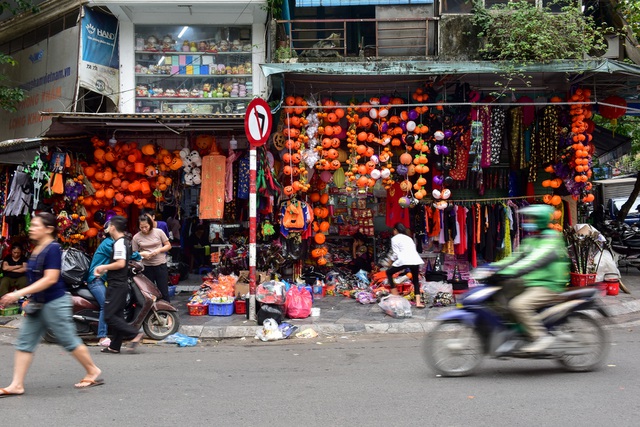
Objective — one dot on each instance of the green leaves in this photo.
(521, 32)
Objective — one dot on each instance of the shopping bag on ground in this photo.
(298, 303)
(395, 306)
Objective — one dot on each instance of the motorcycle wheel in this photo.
(589, 339)
(50, 337)
(453, 349)
(157, 331)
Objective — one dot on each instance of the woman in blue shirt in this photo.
(48, 291)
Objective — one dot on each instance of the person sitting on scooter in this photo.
(541, 265)
(116, 297)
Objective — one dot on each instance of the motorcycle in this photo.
(158, 318)
(482, 326)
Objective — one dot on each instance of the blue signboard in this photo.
(99, 68)
(100, 38)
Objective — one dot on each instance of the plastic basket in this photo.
(578, 279)
(216, 309)
(172, 291)
(9, 311)
(197, 309)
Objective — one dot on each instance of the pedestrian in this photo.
(156, 224)
(97, 284)
(118, 289)
(153, 244)
(49, 307)
(405, 255)
(14, 269)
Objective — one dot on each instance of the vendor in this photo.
(196, 244)
(14, 268)
(360, 257)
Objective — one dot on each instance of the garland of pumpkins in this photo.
(295, 132)
(574, 166)
(124, 175)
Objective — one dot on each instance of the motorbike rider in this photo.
(541, 265)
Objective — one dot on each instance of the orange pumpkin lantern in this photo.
(319, 238)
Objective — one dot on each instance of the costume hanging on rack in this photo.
(228, 179)
(396, 213)
(212, 190)
(243, 178)
(20, 195)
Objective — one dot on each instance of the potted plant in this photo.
(585, 250)
(284, 53)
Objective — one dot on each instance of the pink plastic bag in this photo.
(298, 303)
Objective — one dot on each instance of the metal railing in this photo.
(339, 38)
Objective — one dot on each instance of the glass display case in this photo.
(193, 69)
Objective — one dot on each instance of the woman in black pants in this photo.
(403, 250)
(153, 245)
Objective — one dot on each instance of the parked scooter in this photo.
(483, 326)
(158, 318)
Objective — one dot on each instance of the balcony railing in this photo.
(333, 39)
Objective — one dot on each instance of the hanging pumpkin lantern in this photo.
(319, 238)
(406, 158)
(613, 113)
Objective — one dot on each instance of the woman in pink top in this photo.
(153, 244)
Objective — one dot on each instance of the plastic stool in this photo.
(204, 270)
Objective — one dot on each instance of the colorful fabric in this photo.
(213, 189)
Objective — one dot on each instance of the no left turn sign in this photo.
(258, 122)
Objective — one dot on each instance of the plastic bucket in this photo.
(613, 283)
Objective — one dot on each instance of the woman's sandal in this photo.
(109, 350)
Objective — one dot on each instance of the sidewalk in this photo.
(340, 315)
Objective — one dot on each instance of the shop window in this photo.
(455, 6)
(193, 69)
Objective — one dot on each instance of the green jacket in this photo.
(541, 260)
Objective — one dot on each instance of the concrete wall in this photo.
(456, 38)
(414, 40)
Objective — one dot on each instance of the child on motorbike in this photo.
(542, 266)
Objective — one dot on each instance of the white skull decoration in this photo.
(188, 179)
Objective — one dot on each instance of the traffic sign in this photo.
(258, 122)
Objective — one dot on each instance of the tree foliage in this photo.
(630, 9)
(11, 96)
(523, 32)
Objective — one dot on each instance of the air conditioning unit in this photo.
(615, 47)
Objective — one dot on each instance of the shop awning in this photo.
(19, 151)
(605, 76)
(610, 146)
(23, 150)
(64, 122)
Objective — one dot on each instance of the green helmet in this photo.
(541, 215)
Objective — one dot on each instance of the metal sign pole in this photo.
(253, 201)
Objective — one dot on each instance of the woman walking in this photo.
(403, 250)
(49, 307)
(153, 246)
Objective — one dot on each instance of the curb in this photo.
(408, 326)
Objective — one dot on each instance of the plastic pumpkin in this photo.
(324, 198)
(148, 150)
(176, 163)
(91, 232)
(319, 238)
(324, 226)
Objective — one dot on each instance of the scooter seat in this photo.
(579, 293)
(85, 293)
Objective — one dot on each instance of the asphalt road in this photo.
(326, 381)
